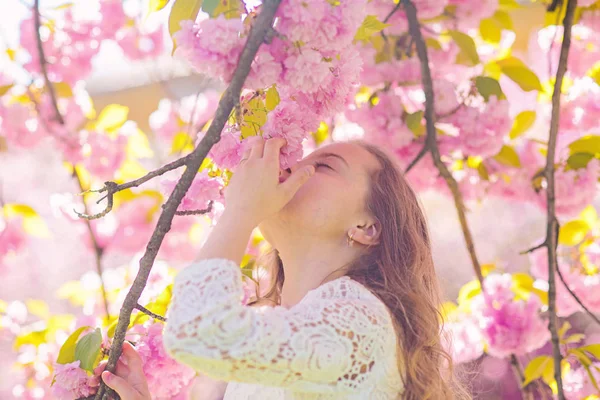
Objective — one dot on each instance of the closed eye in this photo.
(320, 164)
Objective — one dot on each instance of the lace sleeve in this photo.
(321, 345)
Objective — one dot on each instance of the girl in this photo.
(354, 293)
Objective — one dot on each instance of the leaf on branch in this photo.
(112, 117)
(490, 30)
(508, 156)
(468, 51)
(272, 98)
(573, 232)
(517, 71)
(504, 19)
(182, 10)
(487, 87)
(66, 354)
(182, 142)
(522, 123)
(368, 28)
(413, 122)
(593, 349)
(228, 8)
(467, 292)
(578, 160)
(88, 349)
(63, 89)
(588, 144)
(537, 368)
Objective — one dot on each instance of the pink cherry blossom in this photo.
(306, 70)
(577, 384)
(137, 45)
(202, 190)
(445, 97)
(227, 152)
(508, 326)
(212, 46)
(166, 377)
(72, 382)
(104, 154)
(466, 340)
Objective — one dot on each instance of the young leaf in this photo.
(111, 117)
(208, 6)
(522, 123)
(487, 87)
(413, 122)
(87, 349)
(467, 47)
(588, 144)
(593, 349)
(370, 26)
(66, 354)
(573, 232)
(578, 160)
(516, 70)
(490, 30)
(538, 367)
(272, 98)
(508, 156)
(4, 89)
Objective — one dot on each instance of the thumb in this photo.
(296, 180)
(119, 385)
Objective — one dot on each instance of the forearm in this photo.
(229, 238)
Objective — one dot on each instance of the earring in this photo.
(350, 240)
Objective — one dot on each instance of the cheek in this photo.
(320, 203)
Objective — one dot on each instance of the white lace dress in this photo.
(338, 342)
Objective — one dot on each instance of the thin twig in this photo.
(577, 299)
(430, 141)
(518, 371)
(258, 31)
(552, 222)
(43, 66)
(98, 251)
(414, 162)
(392, 12)
(534, 248)
(150, 313)
(196, 212)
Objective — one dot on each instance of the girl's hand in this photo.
(129, 381)
(254, 190)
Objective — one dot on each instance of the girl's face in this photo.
(333, 199)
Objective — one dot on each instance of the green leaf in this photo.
(574, 338)
(588, 144)
(468, 51)
(522, 123)
(593, 349)
(538, 367)
(487, 87)
(573, 232)
(182, 10)
(35, 338)
(66, 354)
(208, 6)
(272, 98)
(370, 26)
(578, 160)
(413, 122)
(156, 5)
(87, 349)
(508, 156)
(516, 70)
(468, 291)
(563, 329)
(490, 30)
(112, 117)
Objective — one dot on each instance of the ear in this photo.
(367, 234)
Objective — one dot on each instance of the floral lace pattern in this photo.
(337, 342)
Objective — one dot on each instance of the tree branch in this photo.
(43, 66)
(260, 27)
(577, 299)
(430, 142)
(552, 226)
(518, 371)
(98, 251)
(150, 313)
(414, 162)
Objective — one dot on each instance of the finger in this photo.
(257, 148)
(132, 357)
(273, 149)
(120, 385)
(101, 366)
(296, 180)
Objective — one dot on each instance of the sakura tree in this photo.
(443, 85)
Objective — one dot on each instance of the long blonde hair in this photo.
(399, 270)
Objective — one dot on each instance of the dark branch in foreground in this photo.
(552, 224)
(260, 27)
(150, 313)
(577, 299)
(430, 141)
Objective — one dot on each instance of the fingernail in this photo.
(106, 376)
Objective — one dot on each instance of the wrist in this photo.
(240, 220)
